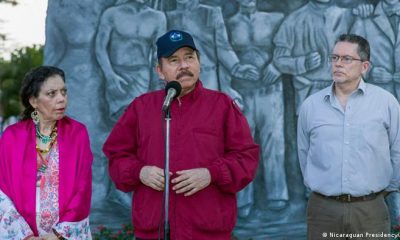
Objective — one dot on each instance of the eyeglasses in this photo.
(346, 59)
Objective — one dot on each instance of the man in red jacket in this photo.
(212, 153)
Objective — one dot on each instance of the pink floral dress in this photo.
(12, 224)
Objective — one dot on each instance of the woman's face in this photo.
(51, 102)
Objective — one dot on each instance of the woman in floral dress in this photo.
(45, 165)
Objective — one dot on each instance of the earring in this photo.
(35, 117)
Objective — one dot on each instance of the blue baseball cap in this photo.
(171, 41)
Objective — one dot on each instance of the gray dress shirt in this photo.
(354, 151)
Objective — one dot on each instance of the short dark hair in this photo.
(195, 50)
(363, 48)
(32, 83)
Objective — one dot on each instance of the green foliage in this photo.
(103, 233)
(3, 37)
(13, 2)
(11, 74)
(396, 231)
(125, 233)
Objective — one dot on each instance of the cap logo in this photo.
(175, 36)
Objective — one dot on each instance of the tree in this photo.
(13, 2)
(11, 74)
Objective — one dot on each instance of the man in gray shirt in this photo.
(349, 149)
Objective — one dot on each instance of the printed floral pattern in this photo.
(75, 230)
(48, 182)
(14, 227)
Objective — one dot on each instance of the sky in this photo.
(23, 24)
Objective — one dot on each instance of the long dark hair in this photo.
(32, 84)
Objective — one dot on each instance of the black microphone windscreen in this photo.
(175, 85)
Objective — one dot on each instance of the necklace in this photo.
(42, 165)
(42, 153)
(46, 139)
(46, 150)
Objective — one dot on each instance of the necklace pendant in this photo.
(43, 168)
(45, 139)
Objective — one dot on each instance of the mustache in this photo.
(184, 73)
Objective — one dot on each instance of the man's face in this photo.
(347, 72)
(247, 3)
(182, 66)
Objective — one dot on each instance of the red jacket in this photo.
(207, 130)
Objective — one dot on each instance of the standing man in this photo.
(349, 147)
(212, 153)
(382, 32)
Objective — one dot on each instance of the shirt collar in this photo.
(194, 93)
(362, 86)
(329, 91)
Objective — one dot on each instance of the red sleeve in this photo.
(238, 166)
(121, 149)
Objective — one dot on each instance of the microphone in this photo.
(172, 89)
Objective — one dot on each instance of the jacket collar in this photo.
(193, 95)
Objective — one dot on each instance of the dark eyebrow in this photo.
(337, 55)
(52, 89)
(172, 56)
(189, 53)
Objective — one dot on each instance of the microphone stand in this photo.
(166, 175)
